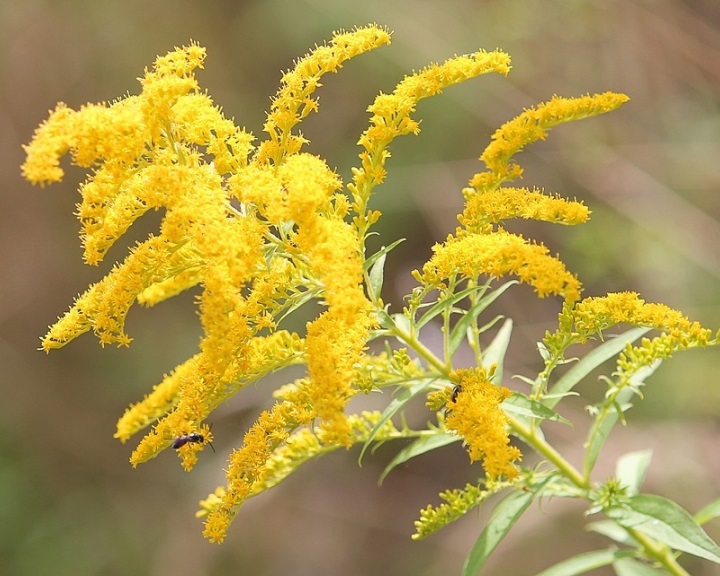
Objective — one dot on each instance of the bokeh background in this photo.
(69, 502)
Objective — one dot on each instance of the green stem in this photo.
(653, 550)
(658, 552)
(540, 446)
(420, 349)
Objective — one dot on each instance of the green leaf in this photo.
(376, 276)
(396, 404)
(504, 516)
(376, 268)
(709, 512)
(611, 530)
(495, 352)
(601, 429)
(582, 563)
(402, 322)
(381, 253)
(385, 320)
(445, 303)
(666, 522)
(608, 349)
(419, 446)
(632, 567)
(521, 405)
(298, 299)
(459, 331)
(631, 468)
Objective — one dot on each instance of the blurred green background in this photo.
(69, 502)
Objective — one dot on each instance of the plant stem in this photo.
(420, 349)
(658, 552)
(539, 445)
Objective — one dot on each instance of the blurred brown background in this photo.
(69, 502)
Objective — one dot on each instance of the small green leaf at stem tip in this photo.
(494, 353)
(631, 468)
(382, 252)
(376, 266)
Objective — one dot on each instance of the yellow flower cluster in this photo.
(391, 118)
(457, 504)
(531, 126)
(497, 255)
(593, 315)
(261, 229)
(294, 100)
(269, 455)
(481, 246)
(475, 414)
(265, 229)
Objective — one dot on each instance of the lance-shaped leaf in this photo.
(582, 563)
(666, 522)
(396, 404)
(608, 349)
(419, 446)
(504, 516)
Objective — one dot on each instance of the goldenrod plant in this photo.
(265, 229)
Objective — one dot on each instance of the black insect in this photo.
(180, 441)
(456, 390)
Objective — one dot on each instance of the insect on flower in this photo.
(456, 390)
(196, 437)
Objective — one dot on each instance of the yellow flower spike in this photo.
(171, 77)
(246, 466)
(475, 414)
(391, 118)
(488, 208)
(497, 255)
(593, 315)
(294, 102)
(104, 306)
(335, 343)
(93, 134)
(49, 143)
(259, 186)
(457, 503)
(309, 184)
(270, 453)
(306, 444)
(531, 126)
(159, 402)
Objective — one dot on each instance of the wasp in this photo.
(195, 437)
